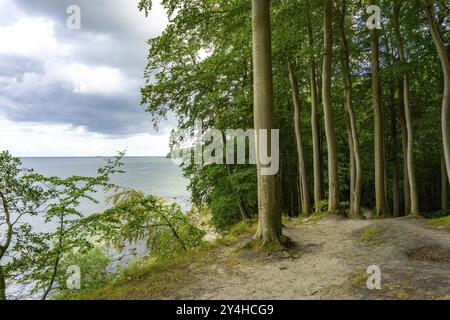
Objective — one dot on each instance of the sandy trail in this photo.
(331, 264)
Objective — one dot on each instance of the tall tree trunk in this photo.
(306, 203)
(7, 242)
(445, 62)
(352, 166)
(318, 194)
(355, 163)
(333, 177)
(2, 284)
(395, 183)
(407, 108)
(321, 133)
(444, 184)
(406, 193)
(269, 224)
(380, 159)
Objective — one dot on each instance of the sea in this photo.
(157, 176)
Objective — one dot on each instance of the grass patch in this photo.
(430, 253)
(441, 222)
(245, 227)
(358, 279)
(318, 216)
(399, 291)
(155, 277)
(370, 234)
(147, 279)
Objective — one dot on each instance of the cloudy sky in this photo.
(76, 92)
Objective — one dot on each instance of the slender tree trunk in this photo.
(407, 108)
(444, 183)
(321, 135)
(406, 192)
(445, 62)
(355, 157)
(380, 159)
(306, 203)
(318, 194)
(2, 284)
(3, 248)
(269, 224)
(352, 167)
(333, 176)
(395, 183)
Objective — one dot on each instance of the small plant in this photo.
(321, 206)
(370, 234)
(442, 222)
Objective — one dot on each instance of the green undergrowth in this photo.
(441, 222)
(153, 278)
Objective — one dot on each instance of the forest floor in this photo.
(330, 261)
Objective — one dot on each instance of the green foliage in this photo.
(145, 5)
(241, 228)
(93, 265)
(441, 222)
(135, 217)
(37, 256)
(221, 190)
(321, 206)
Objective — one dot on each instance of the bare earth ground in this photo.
(330, 263)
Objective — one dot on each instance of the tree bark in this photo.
(5, 246)
(303, 176)
(444, 184)
(2, 284)
(414, 208)
(318, 194)
(352, 166)
(355, 157)
(380, 158)
(406, 193)
(333, 176)
(445, 62)
(395, 182)
(269, 224)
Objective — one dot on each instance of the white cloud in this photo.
(34, 140)
(32, 38)
(84, 79)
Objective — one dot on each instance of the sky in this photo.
(66, 92)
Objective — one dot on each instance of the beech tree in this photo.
(269, 222)
(333, 175)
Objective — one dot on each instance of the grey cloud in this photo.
(110, 36)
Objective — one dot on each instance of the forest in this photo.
(362, 111)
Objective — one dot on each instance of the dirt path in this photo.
(331, 264)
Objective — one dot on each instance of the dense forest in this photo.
(362, 105)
